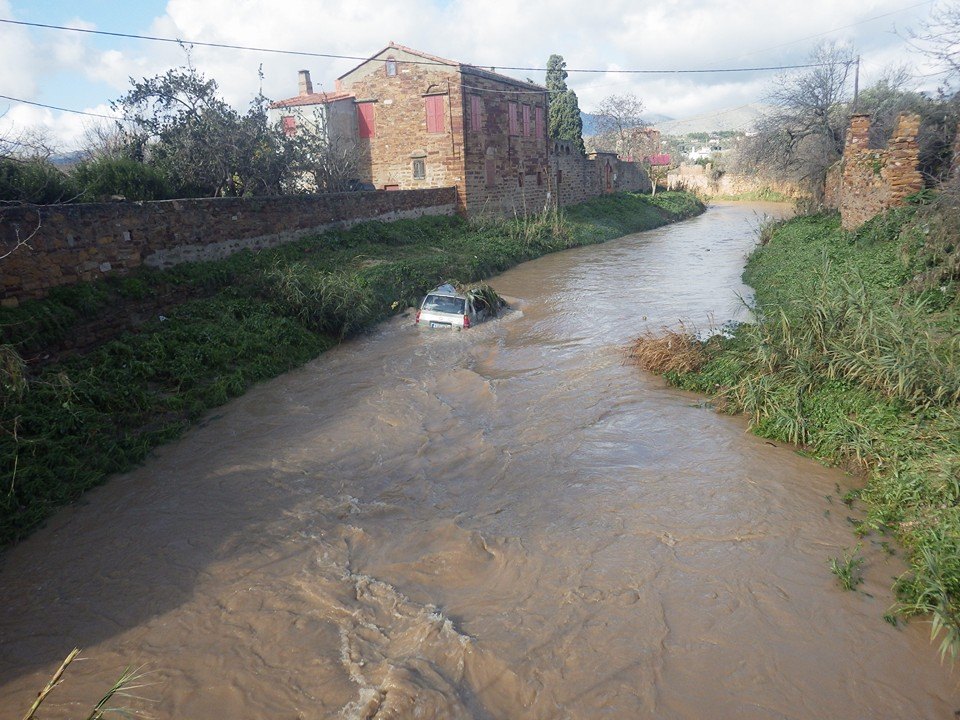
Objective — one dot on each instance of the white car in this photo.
(444, 307)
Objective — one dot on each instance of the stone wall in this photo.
(697, 179)
(870, 180)
(73, 243)
(400, 135)
(506, 172)
(575, 177)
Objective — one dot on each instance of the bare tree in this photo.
(320, 162)
(939, 39)
(322, 156)
(105, 140)
(618, 119)
(804, 134)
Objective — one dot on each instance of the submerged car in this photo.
(447, 307)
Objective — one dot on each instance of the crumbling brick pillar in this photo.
(858, 136)
(874, 180)
(902, 158)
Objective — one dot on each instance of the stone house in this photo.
(421, 121)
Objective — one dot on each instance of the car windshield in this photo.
(444, 304)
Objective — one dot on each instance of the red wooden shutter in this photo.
(434, 105)
(366, 125)
(512, 117)
(526, 120)
(289, 125)
(540, 128)
(475, 113)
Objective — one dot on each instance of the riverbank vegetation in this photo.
(855, 355)
(67, 424)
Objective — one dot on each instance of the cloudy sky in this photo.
(84, 72)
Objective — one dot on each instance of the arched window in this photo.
(391, 66)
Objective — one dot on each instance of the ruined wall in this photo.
(73, 243)
(697, 178)
(873, 180)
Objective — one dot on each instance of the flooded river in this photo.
(504, 523)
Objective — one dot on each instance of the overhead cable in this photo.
(333, 56)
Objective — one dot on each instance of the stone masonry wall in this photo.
(872, 180)
(697, 178)
(575, 177)
(400, 121)
(73, 243)
(506, 173)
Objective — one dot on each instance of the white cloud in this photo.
(15, 46)
(672, 34)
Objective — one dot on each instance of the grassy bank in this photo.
(856, 356)
(69, 424)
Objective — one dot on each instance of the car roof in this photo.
(448, 290)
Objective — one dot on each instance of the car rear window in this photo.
(444, 304)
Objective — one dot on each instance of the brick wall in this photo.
(72, 243)
(870, 180)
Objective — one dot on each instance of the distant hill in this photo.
(66, 160)
(743, 118)
(590, 121)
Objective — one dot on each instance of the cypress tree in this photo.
(565, 120)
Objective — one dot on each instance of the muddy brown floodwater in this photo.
(503, 523)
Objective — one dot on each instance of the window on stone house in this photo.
(434, 108)
(539, 177)
(526, 121)
(391, 67)
(289, 125)
(512, 118)
(539, 123)
(559, 177)
(419, 169)
(520, 179)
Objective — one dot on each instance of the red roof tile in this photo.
(311, 99)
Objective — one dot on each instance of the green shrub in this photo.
(125, 177)
(34, 181)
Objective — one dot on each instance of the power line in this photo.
(304, 53)
(55, 107)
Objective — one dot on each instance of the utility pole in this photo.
(856, 83)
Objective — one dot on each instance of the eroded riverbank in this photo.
(501, 523)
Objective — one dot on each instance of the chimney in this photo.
(306, 87)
